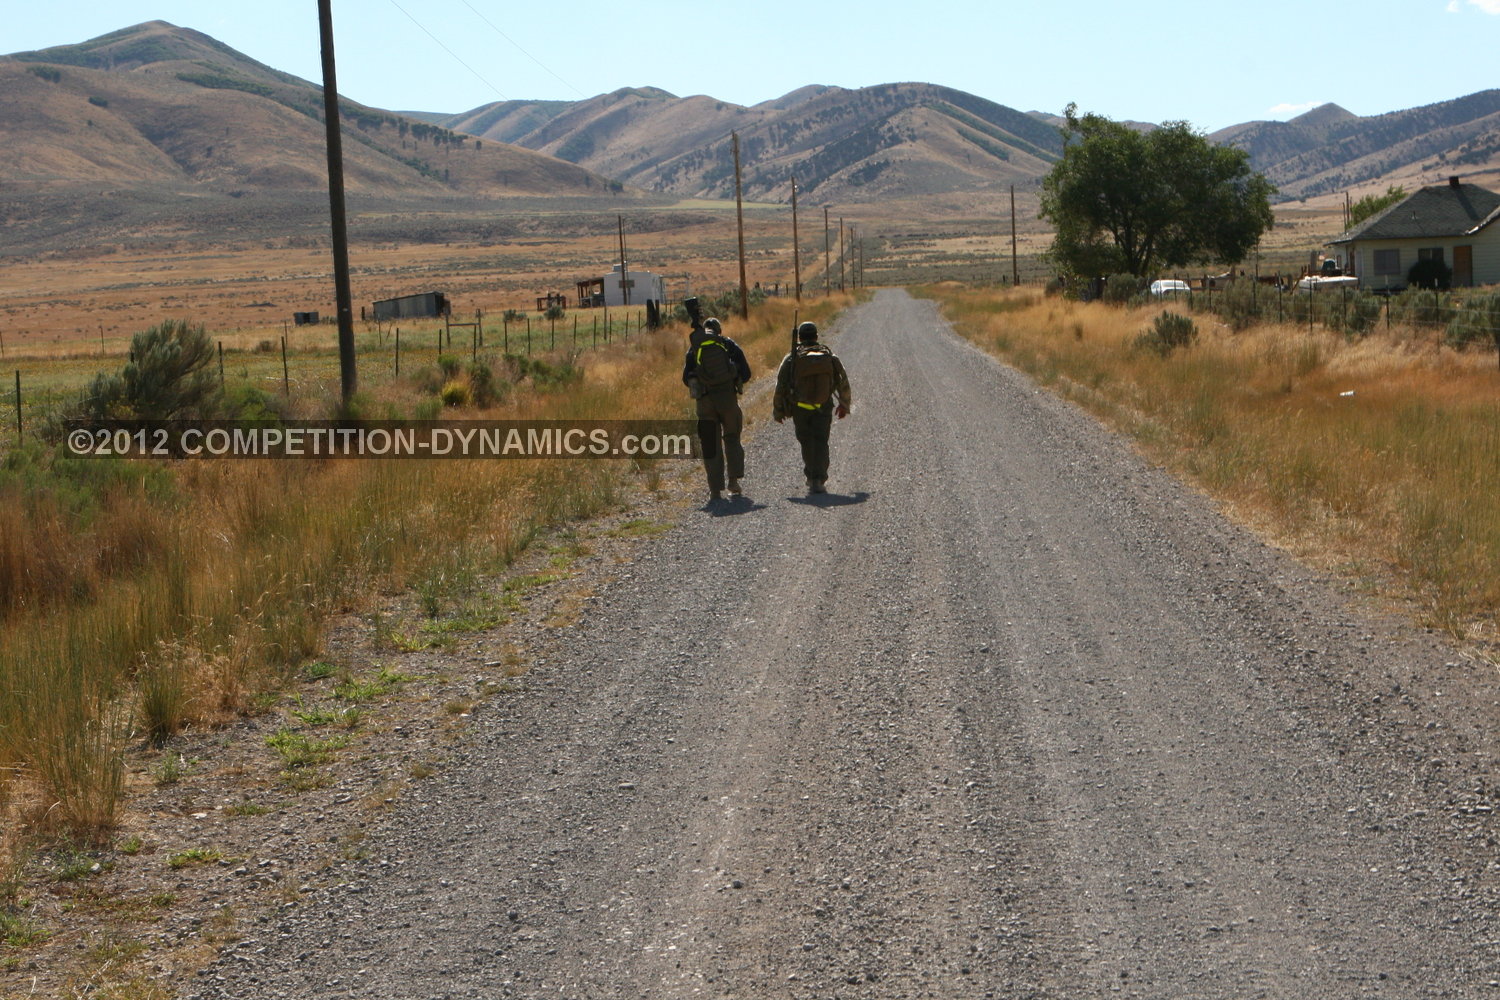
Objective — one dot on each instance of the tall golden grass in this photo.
(1376, 457)
(137, 598)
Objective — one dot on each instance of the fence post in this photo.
(221, 363)
(286, 381)
(398, 351)
(528, 336)
(19, 428)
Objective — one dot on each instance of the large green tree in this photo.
(1138, 202)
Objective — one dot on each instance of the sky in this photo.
(1212, 65)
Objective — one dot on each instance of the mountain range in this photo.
(167, 109)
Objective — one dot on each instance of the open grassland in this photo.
(1377, 458)
(140, 598)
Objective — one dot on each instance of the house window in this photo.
(1388, 262)
(1431, 253)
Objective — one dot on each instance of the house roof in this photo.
(1442, 210)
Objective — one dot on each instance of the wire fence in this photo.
(1460, 317)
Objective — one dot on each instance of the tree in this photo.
(1137, 202)
(1374, 204)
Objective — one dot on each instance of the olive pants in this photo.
(812, 434)
(719, 425)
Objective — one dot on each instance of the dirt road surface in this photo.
(1008, 713)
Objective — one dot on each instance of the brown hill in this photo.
(906, 140)
(157, 106)
(1329, 150)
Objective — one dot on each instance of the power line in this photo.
(450, 52)
(523, 52)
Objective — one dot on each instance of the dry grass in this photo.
(1378, 458)
(140, 599)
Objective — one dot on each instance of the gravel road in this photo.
(1008, 713)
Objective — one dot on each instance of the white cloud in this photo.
(1453, 6)
(1292, 109)
(1488, 6)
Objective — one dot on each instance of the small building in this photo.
(612, 289)
(412, 306)
(1455, 223)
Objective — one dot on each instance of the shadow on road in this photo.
(732, 506)
(831, 499)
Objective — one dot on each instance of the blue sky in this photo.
(1209, 64)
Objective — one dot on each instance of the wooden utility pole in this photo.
(853, 259)
(1015, 263)
(739, 214)
(842, 252)
(827, 259)
(624, 278)
(337, 212)
(796, 248)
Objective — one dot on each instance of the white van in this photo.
(1163, 287)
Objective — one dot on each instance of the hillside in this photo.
(156, 106)
(1328, 149)
(157, 125)
(895, 140)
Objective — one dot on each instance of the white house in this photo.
(1456, 223)
(611, 290)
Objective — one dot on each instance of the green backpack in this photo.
(814, 385)
(714, 367)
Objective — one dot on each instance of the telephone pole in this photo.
(1015, 263)
(624, 278)
(739, 214)
(843, 252)
(827, 258)
(796, 248)
(338, 215)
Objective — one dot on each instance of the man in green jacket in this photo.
(812, 388)
(714, 371)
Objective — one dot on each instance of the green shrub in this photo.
(455, 393)
(169, 377)
(1244, 303)
(1168, 332)
(1476, 320)
(252, 405)
(1419, 307)
(1121, 288)
(1430, 274)
(1356, 315)
(486, 391)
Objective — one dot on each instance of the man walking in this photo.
(812, 388)
(714, 371)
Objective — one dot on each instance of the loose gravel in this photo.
(1007, 713)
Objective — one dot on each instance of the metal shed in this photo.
(412, 306)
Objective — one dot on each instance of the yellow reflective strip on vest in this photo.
(809, 406)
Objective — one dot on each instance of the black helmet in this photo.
(807, 333)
